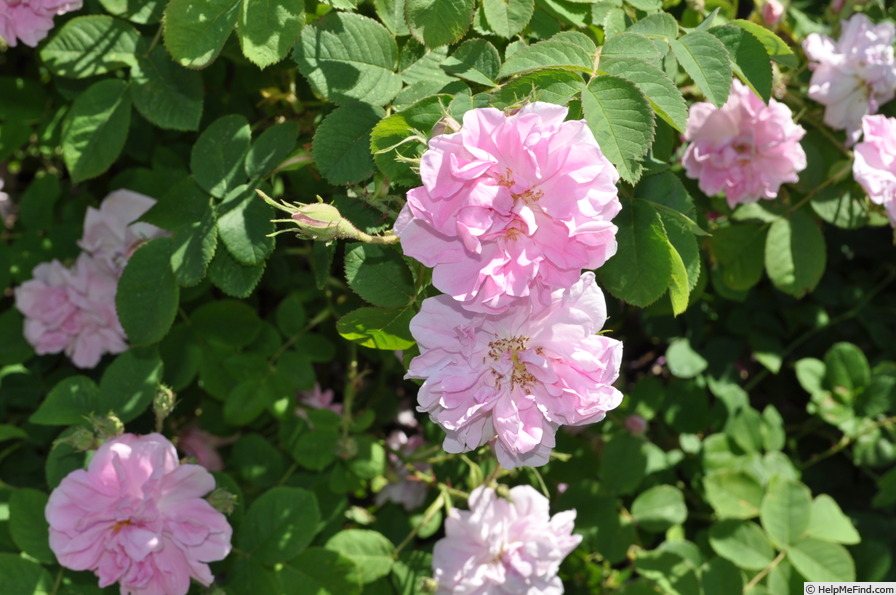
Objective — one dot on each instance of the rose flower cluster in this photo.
(512, 208)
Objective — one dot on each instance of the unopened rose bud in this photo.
(81, 440)
(222, 501)
(635, 424)
(107, 426)
(772, 11)
(163, 404)
(429, 585)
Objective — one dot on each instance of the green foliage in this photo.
(165, 94)
(90, 45)
(148, 293)
(195, 31)
(96, 129)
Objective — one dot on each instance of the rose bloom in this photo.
(518, 375)
(112, 234)
(746, 149)
(854, 75)
(72, 310)
(504, 546)
(203, 446)
(137, 517)
(874, 167)
(29, 21)
(511, 206)
(772, 11)
(403, 488)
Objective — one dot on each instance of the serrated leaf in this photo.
(96, 129)
(821, 561)
(548, 54)
(217, 159)
(632, 45)
(279, 524)
(148, 294)
(785, 510)
(244, 225)
(663, 95)
(166, 94)
(417, 64)
(749, 59)
(370, 550)
(642, 247)
(475, 60)
(776, 48)
(267, 29)
(68, 402)
(91, 45)
(348, 57)
(552, 86)
(378, 328)
(828, 523)
(271, 148)
(193, 249)
(142, 12)
(733, 494)
(795, 254)
(435, 22)
(392, 139)
(228, 322)
(233, 278)
(391, 13)
(621, 120)
(662, 26)
(342, 141)
(195, 30)
(738, 249)
(566, 11)
(508, 17)
(706, 60)
(741, 542)
(129, 384)
(379, 275)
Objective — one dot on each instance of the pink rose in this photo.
(518, 375)
(30, 20)
(72, 310)
(316, 398)
(111, 233)
(511, 206)
(504, 546)
(854, 75)
(772, 11)
(203, 446)
(403, 488)
(745, 149)
(137, 517)
(874, 167)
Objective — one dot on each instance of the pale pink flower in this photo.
(112, 232)
(72, 310)
(137, 517)
(316, 398)
(29, 21)
(874, 167)
(635, 424)
(511, 206)
(203, 446)
(518, 375)
(772, 11)
(504, 547)
(403, 488)
(745, 149)
(854, 75)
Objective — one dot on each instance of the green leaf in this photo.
(566, 11)
(378, 328)
(777, 48)
(129, 384)
(317, 449)
(391, 13)
(91, 45)
(267, 29)
(341, 143)
(741, 542)
(508, 17)
(193, 248)
(148, 294)
(658, 508)
(24, 99)
(10, 432)
(706, 60)
(721, 576)
(795, 254)
(68, 402)
(662, 26)
(749, 59)
(319, 570)
(279, 524)
(846, 368)
(348, 57)
(229, 322)
(632, 45)
(368, 457)
(733, 494)
(683, 361)
(553, 86)
(96, 128)
(821, 561)
(738, 250)
(828, 523)
(663, 95)
(393, 141)
(623, 464)
(642, 247)
(217, 158)
(371, 551)
(233, 278)
(18, 575)
(28, 526)
(271, 148)
(244, 225)
(621, 120)
(195, 30)
(434, 22)
(37, 202)
(142, 12)
(548, 54)
(785, 510)
(475, 60)
(247, 575)
(379, 275)
(166, 94)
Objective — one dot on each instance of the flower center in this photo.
(120, 525)
(519, 375)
